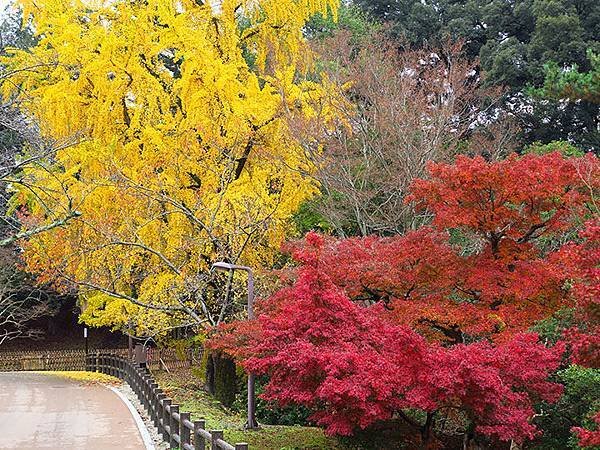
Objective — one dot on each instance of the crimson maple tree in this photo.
(589, 438)
(483, 268)
(582, 261)
(354, 365)
(437, 319)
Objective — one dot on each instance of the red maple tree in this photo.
(354, 366)
(437, 319)
(483, 268)
(581, 261)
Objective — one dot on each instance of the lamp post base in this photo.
(251, 423)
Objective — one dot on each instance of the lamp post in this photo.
(130, 341)
(251, 423)
(129, 332)
(85, 338)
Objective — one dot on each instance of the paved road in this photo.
(41, 411)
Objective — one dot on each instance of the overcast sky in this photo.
(3, 5)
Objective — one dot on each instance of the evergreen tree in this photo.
(514, 40)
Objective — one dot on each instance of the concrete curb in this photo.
(148, 442)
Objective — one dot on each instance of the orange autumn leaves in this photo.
(491, 264)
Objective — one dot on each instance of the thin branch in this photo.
(38, 230)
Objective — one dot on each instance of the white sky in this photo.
(3, 5)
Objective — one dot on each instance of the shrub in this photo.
(579, 402)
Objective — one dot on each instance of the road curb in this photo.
(144, 433)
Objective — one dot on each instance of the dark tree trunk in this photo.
(221, 377)
(470, 442)
(209, 376)
(427, 431)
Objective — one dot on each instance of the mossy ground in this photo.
(185, 390)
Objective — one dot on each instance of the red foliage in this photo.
(322, 350)
(353, 366)
(582, 262)
(497, 385)
(418, 266)
(373, 325)
(585, 346)
(589, 438)
(505, 282)
(513, 198)
(432, 288)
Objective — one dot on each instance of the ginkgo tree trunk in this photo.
(187, 156)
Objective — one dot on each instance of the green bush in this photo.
(308, 218)
(567, 150)
(267, 412)
(551, 328)
(350, 18)
(580, 400)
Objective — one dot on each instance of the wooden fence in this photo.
(168, 358)
(41, 360)
(47, 359)
(175, 426)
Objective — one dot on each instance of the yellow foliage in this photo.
(186, 154)
(84, 377)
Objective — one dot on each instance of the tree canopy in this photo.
(438, 319)
(186, 155)
(514, 40)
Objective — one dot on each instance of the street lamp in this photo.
(223, 266)
(85, 337)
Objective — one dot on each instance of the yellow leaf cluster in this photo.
(185, 156)
(84, 378)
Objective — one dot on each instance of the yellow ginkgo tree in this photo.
(187, 154)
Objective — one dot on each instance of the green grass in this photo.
(185, 391)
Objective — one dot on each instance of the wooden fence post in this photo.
(143, 392)
(215, 435)
(148, 391)
(173, 425)
(184, 432)
(158, 414)
(139, 383)
(153, 394)
(166, 409)
(199, 442)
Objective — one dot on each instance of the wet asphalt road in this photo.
(40, 411)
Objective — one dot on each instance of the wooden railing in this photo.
(74, 359)
(176, 426)
(168, 359)
(48, 359)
